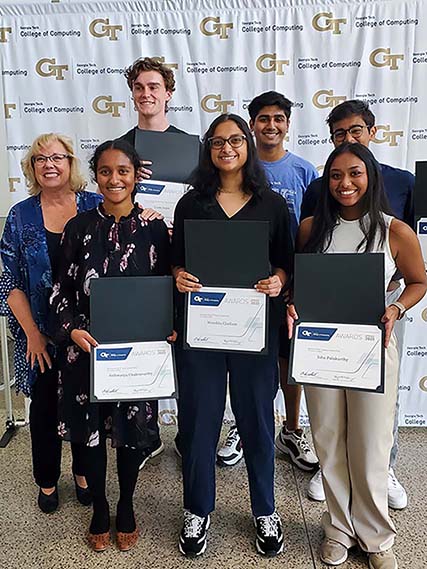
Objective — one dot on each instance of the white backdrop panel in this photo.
(62, 69)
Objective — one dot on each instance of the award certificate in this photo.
(338, 355)
(161, 196)
(132, 371)
(232, 319)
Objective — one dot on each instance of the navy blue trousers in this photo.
(202, 380)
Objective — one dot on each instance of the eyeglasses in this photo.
(234, 141)
(356, 131)
(41, 160)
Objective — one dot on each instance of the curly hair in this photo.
(150, 64)
(77, 180)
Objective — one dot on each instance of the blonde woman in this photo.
(29, 251)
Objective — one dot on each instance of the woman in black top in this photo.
(230, 184)
(111, 240)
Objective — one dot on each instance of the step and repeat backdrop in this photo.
(62, 65)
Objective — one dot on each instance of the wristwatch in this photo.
(401, 308)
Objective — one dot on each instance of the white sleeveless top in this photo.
(347, 235)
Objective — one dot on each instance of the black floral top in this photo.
(94, 245)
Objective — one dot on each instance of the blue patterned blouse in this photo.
(26, 266)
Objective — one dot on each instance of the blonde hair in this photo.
(77, 180)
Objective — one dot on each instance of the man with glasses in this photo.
(288, 175)
(353, 121)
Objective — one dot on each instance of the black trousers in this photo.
(45, 443)
(153, 423)
(128, 461)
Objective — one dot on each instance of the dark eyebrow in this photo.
(149, 83)
(275, 115)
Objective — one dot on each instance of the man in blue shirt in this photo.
(353, 121)
(289, 175)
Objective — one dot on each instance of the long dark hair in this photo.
(327, 210)
(118, 144)
(206, 180)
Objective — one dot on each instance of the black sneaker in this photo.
(156, 449)
(297, 447)
(269, 535)
(192, 539)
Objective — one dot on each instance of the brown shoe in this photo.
(99, 541)
(126, 541)
(382, 560)
(332, 552)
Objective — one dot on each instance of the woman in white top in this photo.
(353, 430)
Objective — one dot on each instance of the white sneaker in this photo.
(397, 497)
(152, 452)
(231, 453)
(297, 447)
(315, 489)
(269, 535)
(193, 536)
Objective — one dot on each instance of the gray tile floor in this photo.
(32, 540)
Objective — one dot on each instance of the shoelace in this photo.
(392, 478)
(304, 444)
(232, 437)
(192, 524)
(381, 553)
(269, 525)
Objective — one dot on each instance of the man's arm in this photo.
(310, 198)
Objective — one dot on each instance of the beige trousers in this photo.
(353, 436)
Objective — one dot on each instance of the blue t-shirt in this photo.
(398, 185)
(290, 177)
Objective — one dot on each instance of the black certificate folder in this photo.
(341, 289)
(227, 253)
(131, 309)
(174, 156)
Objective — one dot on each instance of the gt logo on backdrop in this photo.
(161, 59)
(47, 67)
(382, 57)
(12, 182)
(8, 108)
(325, 98)
(104, 105)
(215, 104)
(212, 26)
(385, 135)
(268, 62)
(325, 22)
(423, 384)
(3, 34)
(102, 28)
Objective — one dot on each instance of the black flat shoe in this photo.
(84, 495)
(48, 503)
